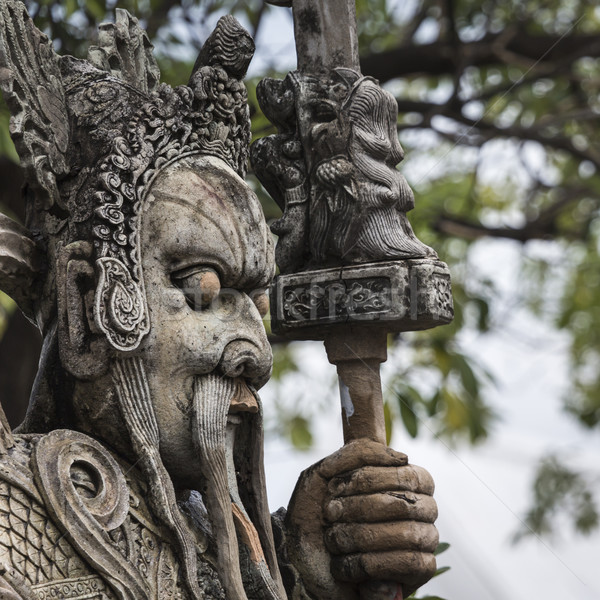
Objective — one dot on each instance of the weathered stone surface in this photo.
(325, 35)
(331, 169)
(145, 259)
(344, 484)
(351, 266)
(394, 296)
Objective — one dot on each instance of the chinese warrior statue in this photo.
(144, 260)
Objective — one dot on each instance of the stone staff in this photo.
(351, 268)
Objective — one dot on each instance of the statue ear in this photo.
(84, 351)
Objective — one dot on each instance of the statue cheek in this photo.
(173, 303)
(201, 346)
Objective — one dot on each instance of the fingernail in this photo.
(336, 487)
(334, 510)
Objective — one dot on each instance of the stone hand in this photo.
(362, 514)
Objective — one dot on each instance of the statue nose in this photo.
(243, 359)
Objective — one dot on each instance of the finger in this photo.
(374, 508)
(359, 453)
(349, 538)
(412, 569)
(382, 479)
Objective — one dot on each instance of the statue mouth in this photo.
(243, 400)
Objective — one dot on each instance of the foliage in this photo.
(559, 490)
(474, 80)
(521, 83)
(442, 547)
(7, 307)
(7, 148)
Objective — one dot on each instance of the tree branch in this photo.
(489, 130)
(439, 58)
(542, 227)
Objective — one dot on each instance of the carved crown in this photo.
(92, 135)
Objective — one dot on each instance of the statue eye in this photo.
(200, 286)
(261, 301)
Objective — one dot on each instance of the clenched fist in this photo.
(359, 516)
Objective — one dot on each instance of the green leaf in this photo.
(433, 403)
(96, 8)
(389, 422)
(483, 321)
(7, 308)
(558, 488)
(7, 147)
(467, 375)
(441, 570)
(442, 547)
(408, 415)
(70, 7)
(283, 363)
(300, 434)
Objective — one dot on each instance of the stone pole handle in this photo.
(326, 38)
(357, 353)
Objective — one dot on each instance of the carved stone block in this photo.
(332, 170)
(405, 295)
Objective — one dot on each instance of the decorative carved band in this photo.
(339, 298)
(401, 295)
(80, 588)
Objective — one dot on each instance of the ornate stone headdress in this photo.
(92, 136)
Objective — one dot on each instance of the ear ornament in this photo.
(120, 310)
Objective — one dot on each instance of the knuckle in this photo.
(431, 512)
(422, 566)
(348, 568)
(429, 565)
(341, 539)
(424, 480)
(416, 479)
(435, 539)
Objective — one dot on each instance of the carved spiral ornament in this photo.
(93, 134)
(65, 458)
(86, 493)
(120, 309)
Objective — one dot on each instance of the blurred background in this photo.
(499, 106)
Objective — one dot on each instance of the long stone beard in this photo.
(212, 400)
(129, 376)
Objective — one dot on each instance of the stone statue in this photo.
(352, 205)
(138, 471)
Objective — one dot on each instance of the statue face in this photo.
(207, 260)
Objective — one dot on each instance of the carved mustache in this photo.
(215, 399)
(212, 399)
